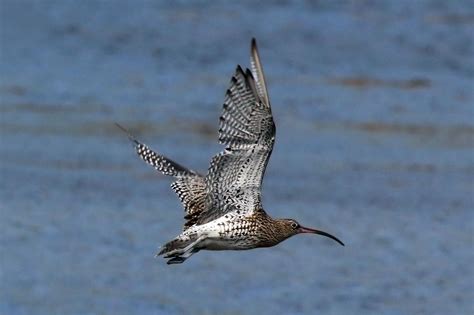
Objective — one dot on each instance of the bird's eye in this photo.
(294, 225)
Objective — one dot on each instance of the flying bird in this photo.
(223, 209)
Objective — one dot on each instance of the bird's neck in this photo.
(273, 231)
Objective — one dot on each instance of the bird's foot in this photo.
(176, 260)
(185, 251)
(174, 253)
(179, 259)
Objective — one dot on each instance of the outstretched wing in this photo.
(247, 129)
(189, 185)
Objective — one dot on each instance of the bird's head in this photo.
(291, 227)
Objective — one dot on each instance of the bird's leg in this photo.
(181, 251)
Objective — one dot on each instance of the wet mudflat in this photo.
(374, 109)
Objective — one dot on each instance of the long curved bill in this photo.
(314, 231)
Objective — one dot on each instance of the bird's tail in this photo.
(160, 162)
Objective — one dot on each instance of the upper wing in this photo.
(248, 130)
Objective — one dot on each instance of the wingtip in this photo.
(120, 126)
(253, 44)
(257, 72)
(129, 135)
(239, 69)
(248, 73)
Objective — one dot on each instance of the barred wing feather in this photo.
(189, 185)
(247, 129)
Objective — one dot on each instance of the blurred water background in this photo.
(374, 107)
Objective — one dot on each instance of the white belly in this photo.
(222, 234)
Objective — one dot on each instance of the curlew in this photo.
(223, 209)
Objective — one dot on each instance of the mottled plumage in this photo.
(224, 208)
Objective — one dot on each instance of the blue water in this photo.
(373, 102)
